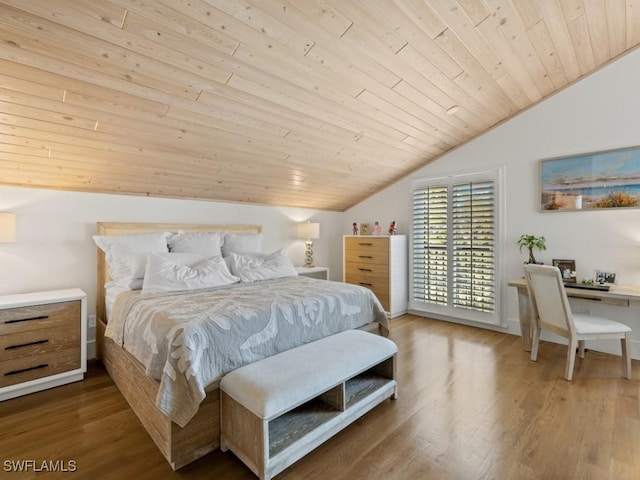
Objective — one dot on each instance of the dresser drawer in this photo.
(33, 367)
(374, 283)
(379, 286)
(367, 244)
(368, 269)
(374, 257)
(35, 317)
(35, 342)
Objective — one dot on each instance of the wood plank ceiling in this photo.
(307, 103)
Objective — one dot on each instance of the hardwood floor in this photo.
(471, 406)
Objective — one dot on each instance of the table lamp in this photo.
(308, 231)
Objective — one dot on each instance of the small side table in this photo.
(321, 273)
(43, 341)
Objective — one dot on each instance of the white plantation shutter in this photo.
(454, 247)
(473, 246)
(430, 238)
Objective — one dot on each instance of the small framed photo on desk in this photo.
(604, 278)
(567, 269)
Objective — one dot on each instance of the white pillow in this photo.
(170, 272)
(207, 244)
(126, 255)
(252, 267)
(241, 243)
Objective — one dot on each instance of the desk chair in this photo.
(551, 311)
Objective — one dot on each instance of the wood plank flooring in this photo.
(471, 406)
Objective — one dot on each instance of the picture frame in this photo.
(602, 277)
(608, 179)
(567, 269)
(365, 229)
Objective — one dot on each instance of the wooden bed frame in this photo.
(179, 445)
(201, 435)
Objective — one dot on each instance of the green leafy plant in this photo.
(530, 242)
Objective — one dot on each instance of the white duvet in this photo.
(188, 340)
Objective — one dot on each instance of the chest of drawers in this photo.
(379, 263)
(42, 341)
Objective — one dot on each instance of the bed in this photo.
(200, 432)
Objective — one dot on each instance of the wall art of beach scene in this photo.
(608, 179)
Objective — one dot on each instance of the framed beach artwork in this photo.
(601, 180)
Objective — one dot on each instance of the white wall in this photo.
(54, 248)
(598, 113)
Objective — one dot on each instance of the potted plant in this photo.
(531, 242)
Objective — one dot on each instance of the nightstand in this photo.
(314, 272)
(43, 341)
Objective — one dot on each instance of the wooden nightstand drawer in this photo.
(43, 340)
(35, 317)
(24, 369)
(34, 342)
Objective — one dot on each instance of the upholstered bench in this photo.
(277, 410)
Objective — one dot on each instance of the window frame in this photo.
(449, 311)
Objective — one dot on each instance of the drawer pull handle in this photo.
(365, 256)
(365, 244)
(16, 372)
(365, 270)
(365, 284)
(41, 317)
(37, 342)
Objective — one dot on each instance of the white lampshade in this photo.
(308, 230)
(7, 227)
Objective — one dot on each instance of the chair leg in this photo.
(581, 348)
(626, 355)
(535, 341)
(571, 359)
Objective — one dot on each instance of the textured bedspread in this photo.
(188, 340)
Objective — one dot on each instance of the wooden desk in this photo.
(619, 295)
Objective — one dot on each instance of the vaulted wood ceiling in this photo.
(308, 103)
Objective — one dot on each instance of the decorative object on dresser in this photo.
(43, 341)
(379, 263)
(308, 231)
(365, 228)
(321, 273)
(7, 227)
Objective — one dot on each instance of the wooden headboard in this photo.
(120, 228)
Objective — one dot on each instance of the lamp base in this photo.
(308, 254)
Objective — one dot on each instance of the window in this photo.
(454, 247)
